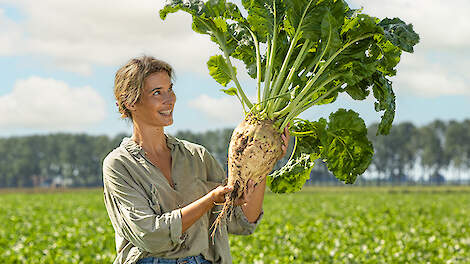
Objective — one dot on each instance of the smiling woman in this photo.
(161, 193)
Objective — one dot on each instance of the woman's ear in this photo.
(130, 107)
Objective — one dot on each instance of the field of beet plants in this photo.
(317, 225)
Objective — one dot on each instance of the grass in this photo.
(318, 225)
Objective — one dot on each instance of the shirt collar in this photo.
(135, 149)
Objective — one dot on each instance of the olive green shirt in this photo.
(145, 210)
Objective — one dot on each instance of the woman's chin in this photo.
(168, 122)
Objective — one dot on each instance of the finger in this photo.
(227, 189)
(251, 186)
(284, 150)
(249, 190)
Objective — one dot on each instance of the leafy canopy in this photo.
(303, 53)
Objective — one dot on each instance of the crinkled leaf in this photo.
(385, 102)
(387, 55)
(219, 70)
(220, 23)
(351, 52)
(359, 90)
(291, 177)
(243, 47)
(263, 15)
(360, 25)
(348, 152)
(399, 33)
(342, 143)
(202, 9)
(212, 17)
(327, 100)
(308, 144)
(331, 40)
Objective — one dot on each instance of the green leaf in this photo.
(399, 33)
(310, 25)
(201, 9)
(359, 90)
(342, 143)
(360, 25)
(263, 15)
(220, 23)
(243, 47)
(327, 100)
(347, 51)
(219, 70)
(385, 102)
(348, 152)
(230, 91)
(291, 177)
(331, 41)
(308, 144)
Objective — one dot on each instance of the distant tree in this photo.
(37, 160)
(466, 124)
(457, 140)
(395, 153)
(431, 144)
(380, 160)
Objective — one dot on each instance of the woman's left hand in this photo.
(285, 138)
(250, 187)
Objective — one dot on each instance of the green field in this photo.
(318, 225)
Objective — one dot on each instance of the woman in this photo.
(161, 192)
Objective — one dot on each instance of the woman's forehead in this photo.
(158, 78)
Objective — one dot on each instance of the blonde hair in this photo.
(129, 80)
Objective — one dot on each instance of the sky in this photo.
(58, 60)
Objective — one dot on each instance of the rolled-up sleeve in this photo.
(240, 224)
(136, 217)
(237, 224)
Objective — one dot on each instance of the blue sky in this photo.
(58, 60)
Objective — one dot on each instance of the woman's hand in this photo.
(218, 194)
(285, 138)
(247, 194)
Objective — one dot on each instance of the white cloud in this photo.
(440, 62)
(9, 35)
(50, 104)
(440, 24)
(78, 34)
(226, 109)
(422, 77)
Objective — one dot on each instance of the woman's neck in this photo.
(151, 139)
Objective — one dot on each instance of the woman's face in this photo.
(155, 107)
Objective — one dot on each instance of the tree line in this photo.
(432, 153)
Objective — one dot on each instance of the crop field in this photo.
(317, 225)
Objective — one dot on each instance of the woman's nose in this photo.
(169, 97)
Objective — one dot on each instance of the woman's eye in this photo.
(156, 92)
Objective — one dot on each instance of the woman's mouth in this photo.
(165, 113)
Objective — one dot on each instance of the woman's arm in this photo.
(254, 201)
(193, 211)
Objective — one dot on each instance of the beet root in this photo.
(254, 149)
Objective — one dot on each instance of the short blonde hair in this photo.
(129, 80)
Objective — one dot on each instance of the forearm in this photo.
(193, 211)
(252, 209)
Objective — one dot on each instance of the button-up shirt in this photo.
(145, 210)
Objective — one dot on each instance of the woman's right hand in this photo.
(218, 194)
